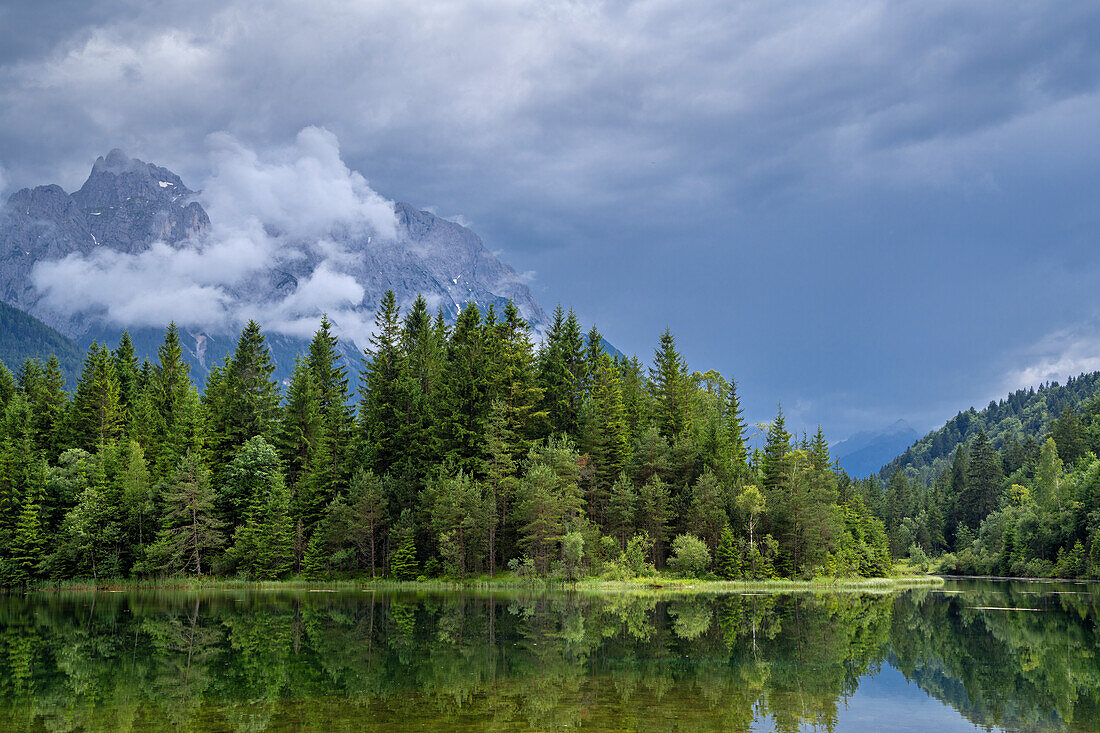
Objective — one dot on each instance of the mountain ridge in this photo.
(126, 206)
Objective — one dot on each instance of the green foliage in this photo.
(690, 555)
(470, 450)
(727, 558)
(403, 564)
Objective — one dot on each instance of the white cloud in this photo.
(1064, 353)
(279, 209)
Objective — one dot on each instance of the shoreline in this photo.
(648, 585)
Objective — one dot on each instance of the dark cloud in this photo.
(739, 153)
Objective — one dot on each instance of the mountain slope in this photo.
(22, 337)
(1024, 413)
(866, 452)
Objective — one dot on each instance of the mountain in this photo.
(130, 213)
(868, 451)
(22, 337)
(1024, 414)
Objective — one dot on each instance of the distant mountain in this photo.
(127, 206)
(868, 451)
(1026, 413)
(22, 337)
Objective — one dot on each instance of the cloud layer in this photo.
(861, 185)
(267, 212)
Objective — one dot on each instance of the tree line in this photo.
(1005, 505)
(465, 449)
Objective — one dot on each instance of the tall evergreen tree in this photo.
(190, 533)
(777, 445)
(669, 382)
(561, 372)
(248, 398)
(383, 390)
(462, 408)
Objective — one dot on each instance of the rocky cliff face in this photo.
(127, 205)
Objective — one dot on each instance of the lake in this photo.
(974, 655)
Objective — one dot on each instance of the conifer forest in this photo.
(451, 450)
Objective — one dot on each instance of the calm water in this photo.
(236, 661)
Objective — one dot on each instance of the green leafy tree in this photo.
(190, 534)
(690, 555)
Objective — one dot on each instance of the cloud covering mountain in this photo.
(289, 235)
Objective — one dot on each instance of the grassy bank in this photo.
(660, 584)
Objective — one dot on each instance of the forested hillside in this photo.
(1011, 490)
(469, 451)
(22, 337)
(1026, 413)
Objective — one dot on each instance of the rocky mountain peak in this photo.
(118, 178)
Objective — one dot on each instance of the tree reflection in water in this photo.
(233, 660)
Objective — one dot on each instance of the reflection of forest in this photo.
(234, 661)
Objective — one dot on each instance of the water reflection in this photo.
(363, 660)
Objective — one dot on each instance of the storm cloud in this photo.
(890, 192)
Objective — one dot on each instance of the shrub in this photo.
(690, 555)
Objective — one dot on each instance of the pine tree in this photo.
(775, 467)
(561, 373)
(727, 559)
(403, 564)
(983, 482)
(462, 410)
(669, 383)
(384, 388)
(126, 371)
(735, 426)
(190, 532)
(621, 510)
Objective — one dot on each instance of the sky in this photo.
(863, 210)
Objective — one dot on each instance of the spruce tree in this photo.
(462, 410)
(561, 373)
(403, 564)
(245, 400)
(983, 481)
(126, 371)
(300, 430)
(190, 533)
(95, 414)
(727, 559)
(775, 468)
(263, 546)
(669, 383)
(383, 390)
(605, 434)
(423, 346)
(735, 426)
(621, 510)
